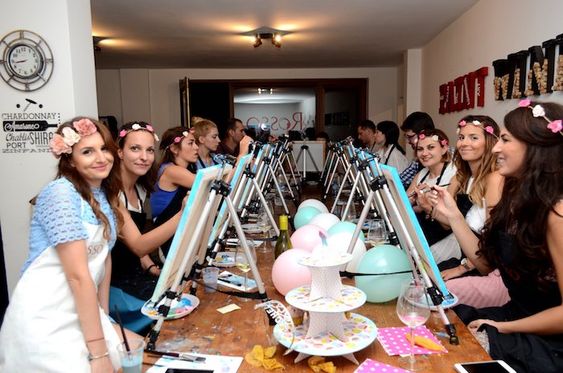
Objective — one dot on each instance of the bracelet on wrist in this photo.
(94, 357)
(95, 340)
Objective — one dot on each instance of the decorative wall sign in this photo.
(29, 128)
(26, 61)
(464, 92)
(534, 71)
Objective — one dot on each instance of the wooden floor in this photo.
(207, 331)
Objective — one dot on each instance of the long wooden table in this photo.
(207, 331)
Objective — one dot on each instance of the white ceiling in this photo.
(209, 33)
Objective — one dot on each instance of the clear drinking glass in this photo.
(377, 234)
(264, 224)
(244, 267)
(413, 312)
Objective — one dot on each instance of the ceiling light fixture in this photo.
(97, 40)
(266, 33)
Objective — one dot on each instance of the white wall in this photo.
(153, 93)
(66, 27)
(490, 30)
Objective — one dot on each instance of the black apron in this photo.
(127, 272)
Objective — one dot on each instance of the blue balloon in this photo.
(304, 216)
(383, 259)
(345, 226)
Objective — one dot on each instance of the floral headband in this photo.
(137, 127)
(436, 138)
(554, 126)
(62, 144)
(488, 128)
(177, 139)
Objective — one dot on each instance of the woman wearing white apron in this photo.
(57, 318)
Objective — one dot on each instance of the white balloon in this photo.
(314, 203)
(341, 241)
(325, 220)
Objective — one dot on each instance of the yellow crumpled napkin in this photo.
(263, 357)
(318, 364)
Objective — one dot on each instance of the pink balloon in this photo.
(307, 237)
(287, 273)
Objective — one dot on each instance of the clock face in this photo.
(26, 61)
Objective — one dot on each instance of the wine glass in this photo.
(241, 262)
(264, 225)
(376, 232)
(413, 312)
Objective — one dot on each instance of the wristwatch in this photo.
(465, 264)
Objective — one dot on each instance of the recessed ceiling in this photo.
(210, 33)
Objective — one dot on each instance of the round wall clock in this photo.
(26, 61)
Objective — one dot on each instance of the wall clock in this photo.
(26, 61)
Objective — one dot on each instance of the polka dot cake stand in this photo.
(330, 331)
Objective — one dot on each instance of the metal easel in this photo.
(379, 188)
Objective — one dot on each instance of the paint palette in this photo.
(178, 309)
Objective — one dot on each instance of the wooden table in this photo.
(235, 333)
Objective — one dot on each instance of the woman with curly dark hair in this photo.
(523, 238)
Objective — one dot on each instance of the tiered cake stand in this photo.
(332, 330)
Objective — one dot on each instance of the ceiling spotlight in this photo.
(257, 41)
(96, 40)
(276, 40)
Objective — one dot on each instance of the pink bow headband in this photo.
(555, 126)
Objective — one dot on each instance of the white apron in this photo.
(41, 331)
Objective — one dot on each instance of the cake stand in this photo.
(332, 330)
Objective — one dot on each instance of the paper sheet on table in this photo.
(217, 363)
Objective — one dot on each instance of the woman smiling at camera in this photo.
(523, 239)
(476, 186)
(438, 169)
(58, 311)
(133, 279)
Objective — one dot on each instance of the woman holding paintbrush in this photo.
(433, 154)
(476, 187)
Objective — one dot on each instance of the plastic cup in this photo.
(132, 360)
(210, 276)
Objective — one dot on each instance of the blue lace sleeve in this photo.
(58, 211)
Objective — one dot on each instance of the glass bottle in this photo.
(283, 243)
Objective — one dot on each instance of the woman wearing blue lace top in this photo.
(57, 318)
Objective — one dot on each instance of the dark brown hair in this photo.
(529, 197)
(167, 142)
(441, 137)
(147, 180)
